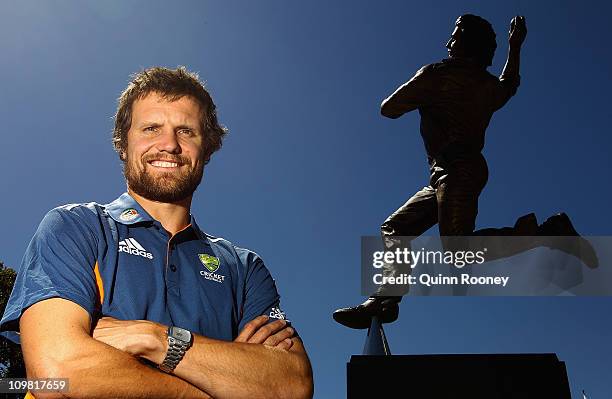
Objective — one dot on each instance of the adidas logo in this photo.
(277, 313)
(132, 247)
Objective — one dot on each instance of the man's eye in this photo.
(150, 129)
(186, 132)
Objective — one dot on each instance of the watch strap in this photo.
(176, 352)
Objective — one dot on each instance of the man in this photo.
(456, 99)
(132, 299)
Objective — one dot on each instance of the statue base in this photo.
(495, 376)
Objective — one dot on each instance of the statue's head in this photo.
(473, 38)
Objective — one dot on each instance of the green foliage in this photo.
(11, 359)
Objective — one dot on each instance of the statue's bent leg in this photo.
(412, 219)
(457, 196)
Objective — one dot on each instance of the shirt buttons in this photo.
(173, 268)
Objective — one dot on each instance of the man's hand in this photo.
(140, 338)
(276, 334)
(146, 339)
(518, 31)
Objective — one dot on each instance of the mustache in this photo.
(159, 157)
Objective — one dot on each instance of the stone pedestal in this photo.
(495, 376)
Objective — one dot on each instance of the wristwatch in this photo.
(179, 340)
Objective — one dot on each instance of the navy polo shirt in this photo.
(116, 260)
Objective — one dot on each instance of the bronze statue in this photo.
(456, 99)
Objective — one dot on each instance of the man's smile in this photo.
(164, 164)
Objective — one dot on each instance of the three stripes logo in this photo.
(277, 313)
(132, 247)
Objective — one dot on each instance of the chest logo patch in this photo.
(210, 262)
(128, 214)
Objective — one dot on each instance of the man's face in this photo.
(164, 160)
(455, 44)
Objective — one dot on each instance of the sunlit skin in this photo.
(164, 157)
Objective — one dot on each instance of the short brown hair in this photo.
(171, 84)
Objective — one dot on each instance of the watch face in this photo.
(180, 334)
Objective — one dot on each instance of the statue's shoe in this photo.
(560, 225)
(360, 316)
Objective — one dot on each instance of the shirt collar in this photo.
(201, 234)
(127, 210)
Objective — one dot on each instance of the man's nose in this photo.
(168, 142)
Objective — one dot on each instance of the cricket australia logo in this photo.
(129, 214)
(211, 263)
(277, 313)
(132, 247)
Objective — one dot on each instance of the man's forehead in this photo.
(156, 106)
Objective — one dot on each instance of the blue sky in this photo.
(310, 165)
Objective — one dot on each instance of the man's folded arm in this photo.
(254, 365)
(56, 343)
(265, 360)
(245, 370)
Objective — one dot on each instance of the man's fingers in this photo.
(250, 328)
(285, 344)
(279, 337)
(259, 331)
(266, 331)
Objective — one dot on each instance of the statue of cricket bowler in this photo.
(456, 99)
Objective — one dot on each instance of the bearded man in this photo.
(132, 298)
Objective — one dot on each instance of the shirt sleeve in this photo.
(261, 296)
(58, 262)
(417, 92)
(504, 89)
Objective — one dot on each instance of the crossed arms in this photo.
(57, 340)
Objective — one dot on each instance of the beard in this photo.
(162, 186)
